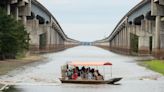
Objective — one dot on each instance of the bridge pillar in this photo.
(16, 13)
(125, 41)
(8, 9)
(52, 41)
(119, 41)
(128, 29)
(32, 27)
(157, 36)
(144, 38)
(122, 40)
(116, 41)
(24, 19)
(157, 32)
(57, 41)
(143, 45)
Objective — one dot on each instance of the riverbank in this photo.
(9, 65)
(155, 65)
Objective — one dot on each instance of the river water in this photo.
(43, 76)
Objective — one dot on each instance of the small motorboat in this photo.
(64, 79)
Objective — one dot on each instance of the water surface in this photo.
(43, 76)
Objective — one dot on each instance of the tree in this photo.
(13, 37)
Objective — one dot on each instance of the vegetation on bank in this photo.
(155, 65)
(14, 38)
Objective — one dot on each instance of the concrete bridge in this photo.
(140, 31)
(44, 31)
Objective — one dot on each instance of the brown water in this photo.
(43, 76)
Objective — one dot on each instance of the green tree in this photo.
(13, 37)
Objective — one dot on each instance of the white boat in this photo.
(85, 81)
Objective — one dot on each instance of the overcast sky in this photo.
(88, 20)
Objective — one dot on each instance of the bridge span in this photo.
(44, 31)
(140, 31)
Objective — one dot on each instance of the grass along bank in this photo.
(9, 65)
(155, 65)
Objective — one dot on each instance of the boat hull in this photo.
(110, 81)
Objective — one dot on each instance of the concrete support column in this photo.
(49, 38)
(156, 48)
(124, 38)
(53, 37)
(8, 9)
(16, 13)
(24, 19)
(157, 32)
(124, 41)
(144, 45)
(129, 28)
(117, 40)
(112, 43)
(120, 40)
(57, 42)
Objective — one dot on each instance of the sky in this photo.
(88, 20)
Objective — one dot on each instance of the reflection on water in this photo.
(43, 76)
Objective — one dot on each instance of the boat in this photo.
(111, 80)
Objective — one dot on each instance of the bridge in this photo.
(44, 31)
(140, 31)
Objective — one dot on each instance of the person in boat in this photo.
(82, 72)
(92, 72)
(86, 73)
(78, 71)
(64, 70)
(74, 75)
(69, 74)
(98, 76)
(90, 75)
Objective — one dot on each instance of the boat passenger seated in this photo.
(90, 76)
(74, 75)
(82, 72)
(78, 71)
(69, 74)
(98, 76)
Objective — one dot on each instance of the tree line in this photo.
(14, 39)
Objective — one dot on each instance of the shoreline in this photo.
(154, 65)
(11, 64)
